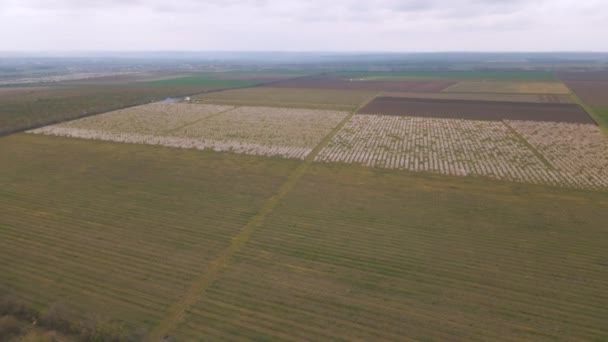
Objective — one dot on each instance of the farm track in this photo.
(200, 286)
(531, 147)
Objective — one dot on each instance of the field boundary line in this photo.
(199, 120)
(200, 285)
(588, 110)
(524, 141)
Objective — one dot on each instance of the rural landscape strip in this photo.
(176, 312)
(89, 114)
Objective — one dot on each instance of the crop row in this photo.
(290, 133)
(115, 235)
(393, 257)
(463, 147)
(152, 118)
(199, 144)
(578, 151)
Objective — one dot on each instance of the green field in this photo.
(601, 114)
(201, 81)
(457, 75)
(119, 230)
(286, 97)
(340, 252)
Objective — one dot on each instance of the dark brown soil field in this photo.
(478, 110)
(593, 93)
(339, 83)
(535, 98)
(592, 75)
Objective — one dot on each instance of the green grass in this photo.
(361, 254)
(601, 115)
(120, 230)
(201, 81)
(458, 75)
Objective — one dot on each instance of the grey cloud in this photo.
(398, 25)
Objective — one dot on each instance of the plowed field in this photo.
(477, 110)
(593, 93)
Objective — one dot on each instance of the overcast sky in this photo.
(305, 25)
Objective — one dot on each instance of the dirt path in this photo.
(197, 290)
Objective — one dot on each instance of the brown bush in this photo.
(10, 305)
(9, 327)
(57, 317)
(36, 336)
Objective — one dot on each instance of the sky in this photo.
(304, 25)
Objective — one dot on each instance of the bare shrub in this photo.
(11, 305)
(9, 327)
(37, 336)
(58, 317)
(94, 328)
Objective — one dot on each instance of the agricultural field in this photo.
(258, 76)
(328, 82)
(592, 92)
(287, 132)
(286, 97)
(345, 207)
(534, 98)
(583, 75)
(359, 254)
(477, 110)
(120, 230)
(451, 75)
(508, 87)
(150, 119)
(202, 81)
(527, 151)
(35, 107)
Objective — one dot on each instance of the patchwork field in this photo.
(508, 87)
(532, 152)
(286, 132)
(286, 97)
(388, 228)
(534, 98)
(120, 230)
(365, 85)
(356, 254)
(477, 110)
